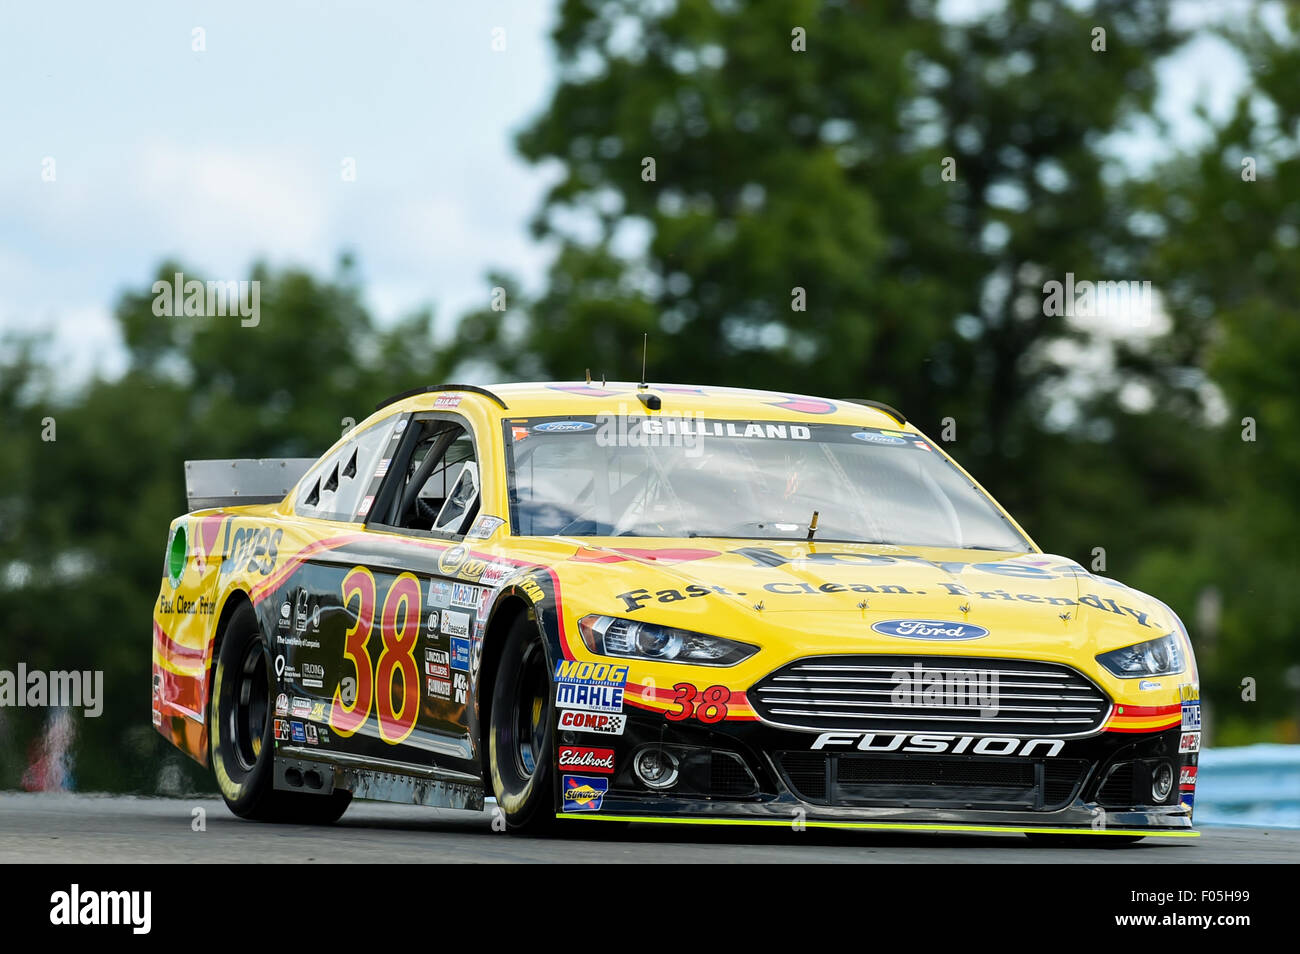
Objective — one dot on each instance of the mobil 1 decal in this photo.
(358, 662)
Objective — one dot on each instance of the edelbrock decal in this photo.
(583, 758)
(929, 629)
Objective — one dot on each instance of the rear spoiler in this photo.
(234, 483)
(879, 406)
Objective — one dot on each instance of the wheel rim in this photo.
(251, 705)
(529, 717)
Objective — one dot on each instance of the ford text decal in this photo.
(871, 437)
(929, 629)
(552, 426)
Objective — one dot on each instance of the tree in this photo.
(1228, 221)
(85, 515)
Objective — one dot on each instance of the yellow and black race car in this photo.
(660, 603)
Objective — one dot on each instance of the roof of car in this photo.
(540, 399)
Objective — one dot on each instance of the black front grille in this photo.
(729, 776)
(806, 773)
(1060, 781)
(858, 779)
(946, 694)
(1118, 789)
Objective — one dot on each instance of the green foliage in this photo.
(1228, 259)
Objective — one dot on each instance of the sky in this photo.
(233, 153)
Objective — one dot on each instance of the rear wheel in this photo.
(240, 733)
(520, 735)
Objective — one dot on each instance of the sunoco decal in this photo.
(583, 793)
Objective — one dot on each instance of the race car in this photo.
(660, 603)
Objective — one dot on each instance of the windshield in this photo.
(692, 477)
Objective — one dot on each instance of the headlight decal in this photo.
(632, 639)
(1154, 657)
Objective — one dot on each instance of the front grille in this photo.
(844, 779)
(888, 693)
(806, 773)
(1118, 791)
(729, 776)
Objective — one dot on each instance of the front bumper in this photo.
(749, 773)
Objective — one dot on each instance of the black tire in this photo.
(242, 751)
(521, 736)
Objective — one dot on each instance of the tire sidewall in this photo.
(525, 802)
(243, 790)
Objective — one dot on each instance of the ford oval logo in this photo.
(929, 629)
(552, 426)
(871, 437)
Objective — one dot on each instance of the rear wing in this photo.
(233, 483)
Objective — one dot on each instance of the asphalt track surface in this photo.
(93, 829)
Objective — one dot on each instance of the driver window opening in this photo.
(441, 487)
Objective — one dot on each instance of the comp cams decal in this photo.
(599, 722)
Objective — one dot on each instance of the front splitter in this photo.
(879, 826)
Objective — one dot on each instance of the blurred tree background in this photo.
(852, 199)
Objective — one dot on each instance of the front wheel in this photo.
(240, 733)
(520, 736)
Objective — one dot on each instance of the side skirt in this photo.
(433, 788)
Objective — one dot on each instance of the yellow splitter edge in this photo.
(883, 826)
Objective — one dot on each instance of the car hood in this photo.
(863, 597)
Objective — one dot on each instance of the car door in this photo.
(412, 618)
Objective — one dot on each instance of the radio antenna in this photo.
(645, 346)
